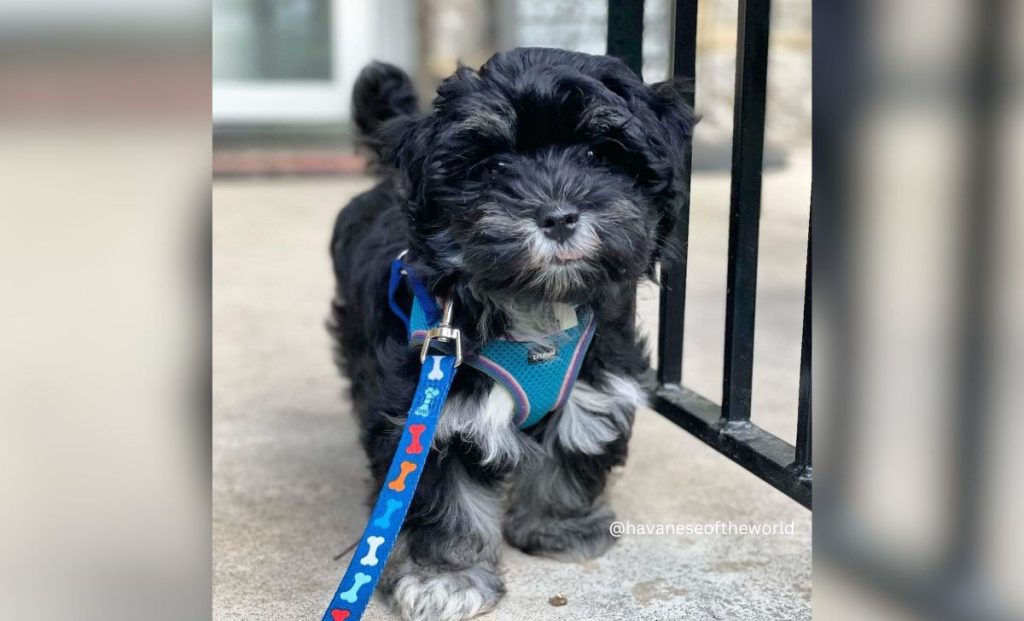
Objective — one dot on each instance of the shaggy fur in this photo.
(545, 178)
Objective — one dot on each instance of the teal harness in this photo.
(538, 377)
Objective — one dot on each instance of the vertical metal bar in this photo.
(626, 41)
(626, 32)
(803, 418)
(672, 303)
(745, 207)
(972, 405)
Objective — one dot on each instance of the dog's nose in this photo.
(558, 221)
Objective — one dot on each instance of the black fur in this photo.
(381, 92)
(533, 128)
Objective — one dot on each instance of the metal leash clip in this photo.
(445, 333)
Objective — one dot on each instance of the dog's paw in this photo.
(426, 594)
(574, 538)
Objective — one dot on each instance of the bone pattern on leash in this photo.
(436, 373)
(370, 559)
(415, 448)
(398, 484)
(384, 521)
(428, 399)
(352, 594)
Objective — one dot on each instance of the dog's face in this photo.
(546, 175)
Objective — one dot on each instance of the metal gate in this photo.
(727, 427)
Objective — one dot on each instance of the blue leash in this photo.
(380, 534)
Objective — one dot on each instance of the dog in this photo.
(545, 180)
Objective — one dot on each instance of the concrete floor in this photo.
(289, 476)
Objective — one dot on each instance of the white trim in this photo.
(353, 45)
(241, 102)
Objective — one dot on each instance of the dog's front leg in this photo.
(556, 509)
(445, 564)
(555, 503)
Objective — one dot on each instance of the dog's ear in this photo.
(677, 120)
(673, 97)
(406, 147)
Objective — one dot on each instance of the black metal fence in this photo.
(726, 427)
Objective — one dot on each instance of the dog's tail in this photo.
(381, 92)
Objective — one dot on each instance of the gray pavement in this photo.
(289, 476)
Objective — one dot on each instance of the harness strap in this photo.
(419, 290)
(379, 536)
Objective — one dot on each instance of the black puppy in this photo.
(544, 181)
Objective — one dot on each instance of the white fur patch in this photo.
(452, 596)
(487, 423)
(594, 417)
(537, 322)
(626, 389)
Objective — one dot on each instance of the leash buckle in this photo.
(444, 332)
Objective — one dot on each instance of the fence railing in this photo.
(726, 427)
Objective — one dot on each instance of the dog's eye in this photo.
(496, 167)
(591, 155)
